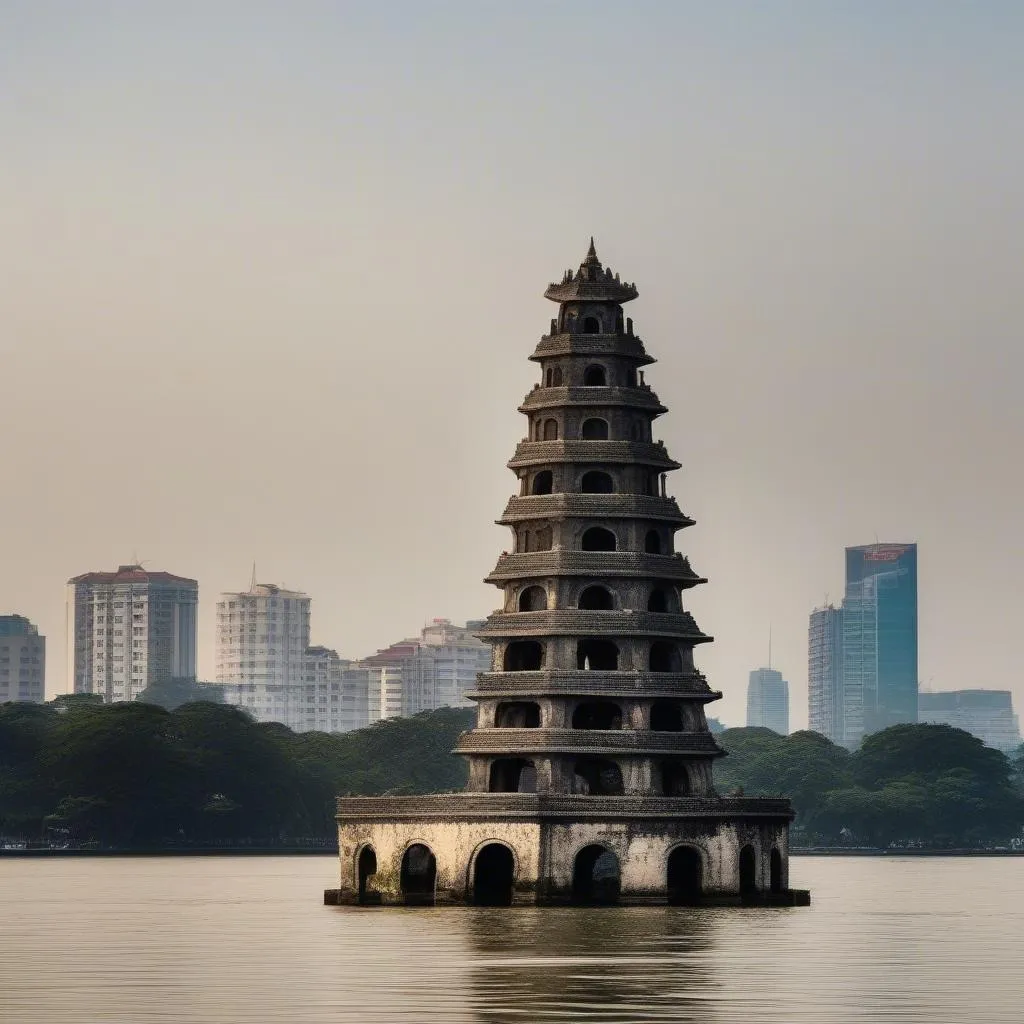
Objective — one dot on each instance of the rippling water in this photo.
(225, 940)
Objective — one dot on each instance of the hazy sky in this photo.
(269, 275)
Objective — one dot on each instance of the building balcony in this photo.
(579, 622)
(628, 346)
(579, 683)
(641, 397)
(597, 506)
(640, 742)
(628, 453)
(524, 565)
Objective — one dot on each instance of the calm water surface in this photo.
(225, 940)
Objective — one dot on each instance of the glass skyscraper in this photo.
(879, 639)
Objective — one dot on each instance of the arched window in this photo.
(685, 872)
(652, 543)
(775, 871)
(748, 874)
(591, 325)
(493, 876)
(597, 776)
(512, 775)
(556, 377)
(418, 875)
(533, 599)
(542, 539)
(542, 482)
(597, 714)
(597, 538)
(652, 485)
(596, 599)
(595, 377)
(595, 876)
(666, 716)
(517, 714)
(551, 430)
(547, 377)
(675, 779)
(366, 866)
(597, 482)
(597, 655)
(594, 430)
(659, 600)
(664, 657)
(523, 656)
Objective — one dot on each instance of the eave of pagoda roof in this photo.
(591, 283)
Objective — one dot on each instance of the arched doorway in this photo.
(748, 874)
(419, 874)
(512, 775)
(685, 877)
(595, 876)
(366, 867)
(775, 871)
(493, 876)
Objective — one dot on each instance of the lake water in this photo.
(225, 940)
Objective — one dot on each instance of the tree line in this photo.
(200, 773)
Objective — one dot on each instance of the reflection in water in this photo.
(608, 964)
(244, 940)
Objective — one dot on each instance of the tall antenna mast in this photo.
(252, 582)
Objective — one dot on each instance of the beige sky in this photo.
(269, 277)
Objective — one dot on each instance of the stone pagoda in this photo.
(590, 767)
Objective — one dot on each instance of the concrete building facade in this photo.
(768, 701)
(262, 636)
(129, 629)
(987, 714)
(590, 767)
(22, 661)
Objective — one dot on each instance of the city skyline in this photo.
(252, 313)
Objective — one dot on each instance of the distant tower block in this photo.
(590, 768)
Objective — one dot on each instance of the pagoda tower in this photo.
(590, 767)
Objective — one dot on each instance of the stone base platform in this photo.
(502, 849)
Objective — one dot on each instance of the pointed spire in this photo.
(592, 251)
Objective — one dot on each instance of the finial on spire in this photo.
(592, 252)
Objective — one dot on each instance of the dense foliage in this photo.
(927, 785)
(138, 775)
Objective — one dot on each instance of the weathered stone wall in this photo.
(544, 853)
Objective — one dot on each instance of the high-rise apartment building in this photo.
(129, 629)
(437, 668)
(768, 701)
(987, 714)
(879, 639)
(22, 660)
(825, 673)
(330, 694)
(262, 636)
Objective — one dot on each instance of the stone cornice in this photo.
(642, 398)
(630, 453)
(524, 565)
(536, 807)
(580, 622)
(599, 742)
(597, 506)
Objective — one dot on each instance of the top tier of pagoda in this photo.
(591, 283)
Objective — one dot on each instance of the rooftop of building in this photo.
(593, 282)
(265, 590)
(17, 625)
(133, 574)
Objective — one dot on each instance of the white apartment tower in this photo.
(262, 637)
(128, 629)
